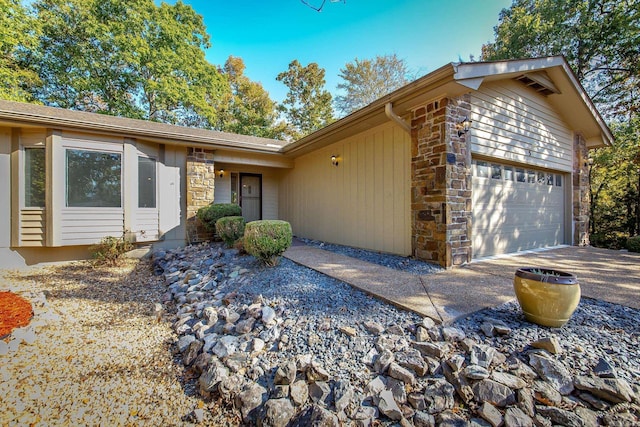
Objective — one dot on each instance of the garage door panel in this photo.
(511, 216)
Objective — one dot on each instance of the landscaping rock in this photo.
(438, 395)
(494, 393)
(276, 413)
(552, 371)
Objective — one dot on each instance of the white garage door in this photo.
(516, 209)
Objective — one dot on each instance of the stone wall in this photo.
(581, 209)
(200, 186)
(441, 183)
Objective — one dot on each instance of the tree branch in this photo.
(319, 8)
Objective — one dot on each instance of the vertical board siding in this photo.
(514, 123)
(86, 226)
(32, 227)
(363, 202)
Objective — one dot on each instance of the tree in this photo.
(18, 36)
(369, 79)
(128, 58)
(307, 105)
(599, 38)
(615, 187)
(247, 108)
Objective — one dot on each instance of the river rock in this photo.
(514, 417)
(438, 395)
(613, 390)
(552, 371)
(276, 413)
(494, 393)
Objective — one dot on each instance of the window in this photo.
(234, 188)
(482, 170)
(549, 179)
(521, 176)
(531, 177)
(94, 179)
(34, 177)
(558, 180)
(542, 177)
(508, 173)
(496, 172)
(146, 182)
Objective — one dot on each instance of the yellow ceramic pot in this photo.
(547, 297)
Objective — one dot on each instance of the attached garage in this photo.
(516, 208)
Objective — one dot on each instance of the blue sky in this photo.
(269, 34)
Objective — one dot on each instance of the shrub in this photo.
(267, 240)
(609, 240)
(239, 246)
(209, 215)
(230, 229)
(633, 244)
(110, 250)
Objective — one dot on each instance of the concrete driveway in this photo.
(604, 274)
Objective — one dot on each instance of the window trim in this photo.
(94, 149)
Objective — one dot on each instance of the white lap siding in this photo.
(515, 128)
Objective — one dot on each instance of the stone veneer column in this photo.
(441, 183)
(200, 186)
(581, 202)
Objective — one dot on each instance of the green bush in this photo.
(633, 244)
(110, 250)
(267, 240)
(609, 240)
(209, 215)
(230, 229)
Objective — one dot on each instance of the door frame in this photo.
(254, 175)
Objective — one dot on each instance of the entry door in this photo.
(251, 196)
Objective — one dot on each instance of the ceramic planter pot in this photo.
(547, 297)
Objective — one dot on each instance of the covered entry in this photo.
(516, 208)
(251, 196)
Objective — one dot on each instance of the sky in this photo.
(269, 34)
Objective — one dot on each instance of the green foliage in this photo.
(247, 108)
(615, 187)
(267, 240)
(127, 58)
(230, 229)
(599, 38)
(633, 244)
(18, 37)
(209, 215)
(110, 250)
(307, 105)
(368, 80)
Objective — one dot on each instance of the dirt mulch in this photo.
(105, 360)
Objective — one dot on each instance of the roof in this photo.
(59, 118)
(551, 76)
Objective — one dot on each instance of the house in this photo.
(469, 161)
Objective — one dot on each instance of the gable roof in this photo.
(550, 76)
(59, 118)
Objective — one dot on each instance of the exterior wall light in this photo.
(221, 173)
(463, 126)
(334, 160)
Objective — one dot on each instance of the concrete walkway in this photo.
(444, 296)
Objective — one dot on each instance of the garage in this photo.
(516, 208)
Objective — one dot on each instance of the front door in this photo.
(251, 196)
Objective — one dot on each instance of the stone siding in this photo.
(441, 183)
(581, 202)
(200, 186)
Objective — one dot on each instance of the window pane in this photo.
(146, 182)
(558, 180)
(482, 170)
(234, 188)
(34, 177)
(520, 175)
(549, 179)
(531, 177)
(542, 178)
(94, 179)
(508, 173)
(496, 172)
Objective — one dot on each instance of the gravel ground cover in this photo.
(105, 353)
(397, 262)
